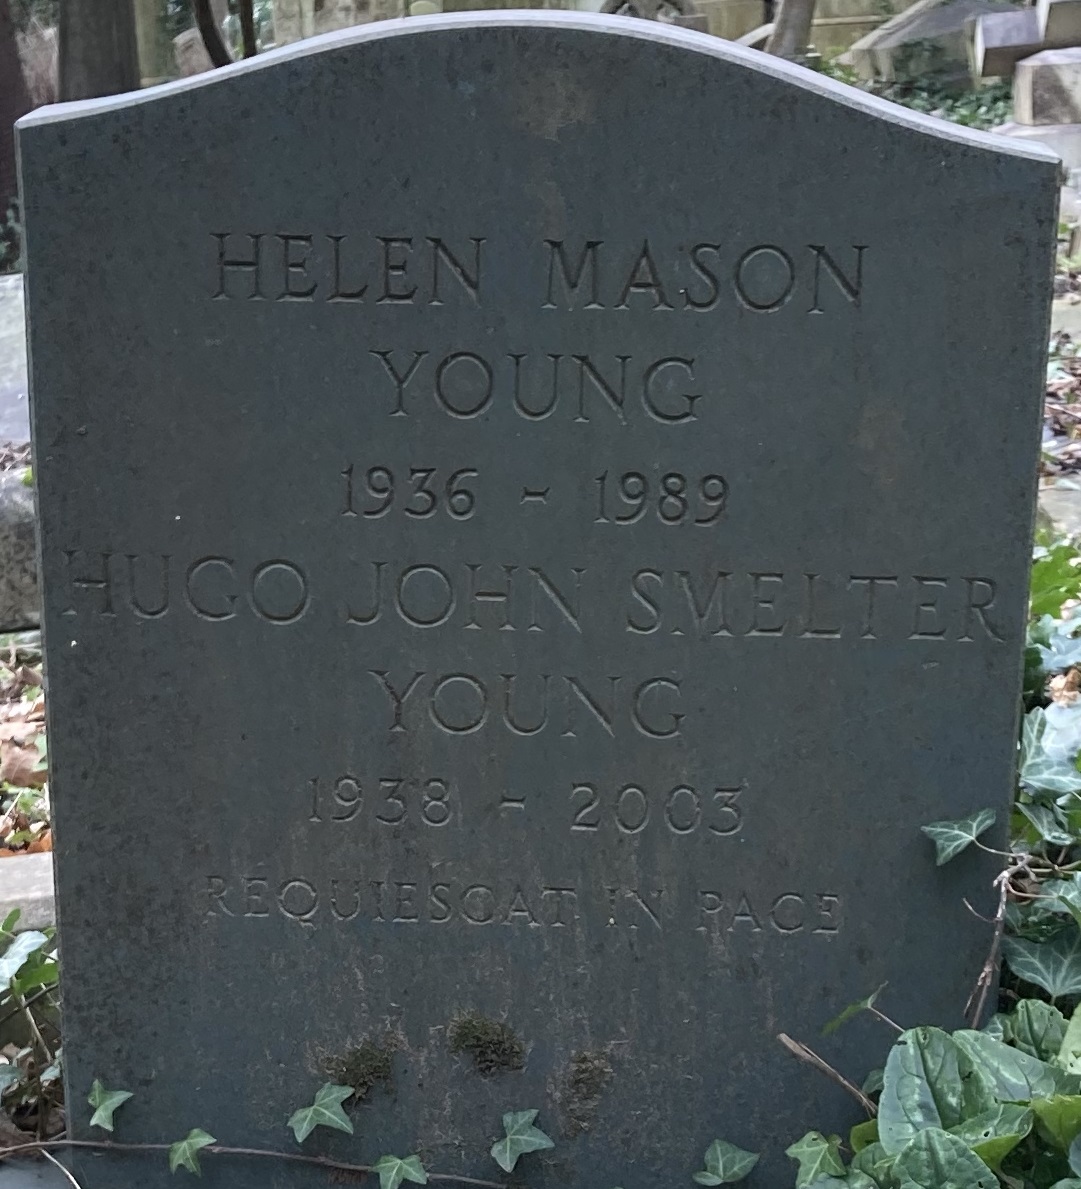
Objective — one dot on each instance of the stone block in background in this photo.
(1047, 88)
(297, 19)
(1060, 23)
(156, 59)
(1001, 39)
(930, 38)
(731, 19)
(190, 53)
(26, 883)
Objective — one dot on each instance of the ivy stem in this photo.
(45, 1146)
(34, 1029)
(885, 1018)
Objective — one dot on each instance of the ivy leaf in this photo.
(392, 1171)
(1038, 1028)
(1059, 1118)
(951, 838)
(1045, 818)
(817, 1157)
(105, 1102)
(521, 1137)
(872, 1083)
(994, 1134)
(1069, 1183)
(1069, 1055)
(725, 1163)
(875, 1162)
(185, 1154)
(1073, 1156)
(929, 1082)
(1012, 1075)
(1066, 896)
(852, 1010)
(17, 952)
(934, 1159)
(1054, 965)
(1040, 769)
(1055, 578)
(325, 1111)
(863, 1135)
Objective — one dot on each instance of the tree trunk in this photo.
(98, 48)
(14, 102)
(247, 27)
(791, 28)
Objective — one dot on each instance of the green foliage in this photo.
(30, 1082)
(105, 1103)
(725, 1164)
(325, 1111)
(853, 1009)
(185, 1154)
(918, 89)
(951, 838)
(520, 1137)
(1056, 577)
(1053, 965)
(966, 1110)
(817, 1157)
(393, 1170)
(17, 953)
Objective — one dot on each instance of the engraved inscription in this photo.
(631, 808)
(669, 499)
(420, 494)
(391, 800)
(444, 896)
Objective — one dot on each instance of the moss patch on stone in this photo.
(588, 1076)
(492, 1044)
(363, 1067)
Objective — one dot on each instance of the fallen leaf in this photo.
(19, 765)
(40, 845)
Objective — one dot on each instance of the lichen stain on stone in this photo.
(493, 1044)
(587, 1077)
(363, 1067)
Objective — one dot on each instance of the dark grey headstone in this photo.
(662, 801)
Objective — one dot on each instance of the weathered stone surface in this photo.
(1047, 88)
(615, 721)
(1001, 39)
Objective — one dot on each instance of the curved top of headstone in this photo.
(569, 25)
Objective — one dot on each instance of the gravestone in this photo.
(512, 589)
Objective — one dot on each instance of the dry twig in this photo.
(812, 1058)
